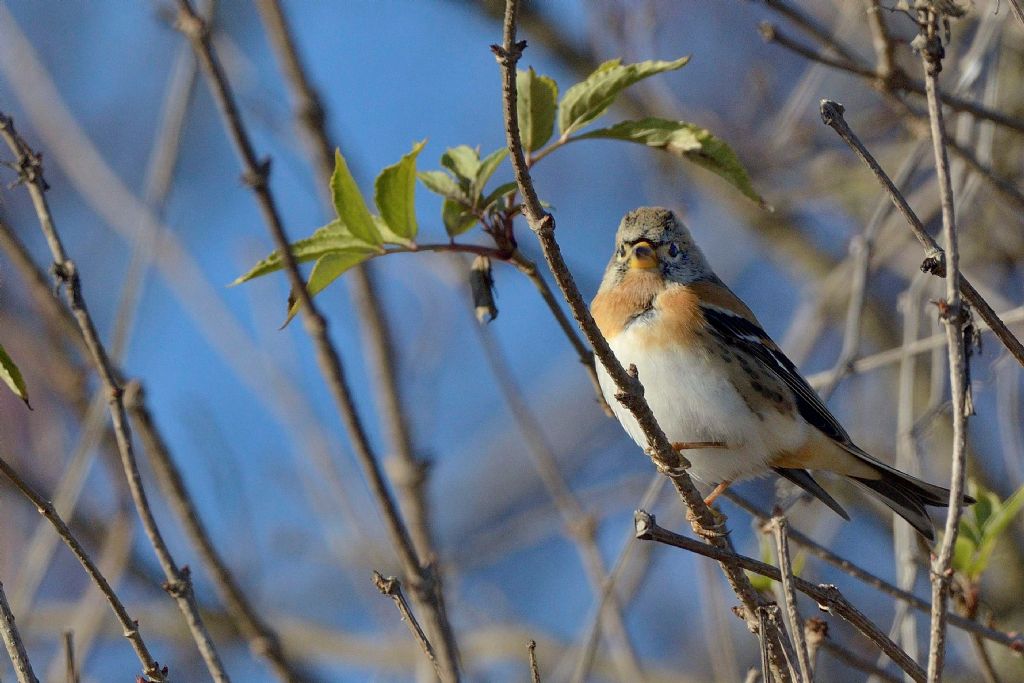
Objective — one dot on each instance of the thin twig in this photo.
(628, 387)
(531, 648)
(796, 624)
(586, 356)
(1018, 10)
(419, 576)
(935, 258)
(392, 587)
(179, 584)
(71, 673)
(409, 470)
(828, 597)
(888, 83)
(954, 318)
(13, 642)
(897, 82)
(578, 523)
(589, 649)
(263, 640)
(130, 628)
(881, 39)
(1014, 641)
(848, 658)
(924, 345)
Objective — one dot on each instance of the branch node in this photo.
(934, 263)
(257, 177)
(509, 58)
(643, 524)
(832, 113)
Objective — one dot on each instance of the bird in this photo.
(724, 393)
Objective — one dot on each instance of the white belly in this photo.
(693, 400)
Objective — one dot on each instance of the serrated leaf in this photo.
(496, 194)
(464, 162)
(334, 236)
(537, 104)
(390, 237)
(457, 218)
(326, 270)
(349, 202)
(487, 168)
(684, 140)
(394, 193)
(588, 99)
(11, 376)
(443, 184)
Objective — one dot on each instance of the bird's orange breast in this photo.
(677, 310)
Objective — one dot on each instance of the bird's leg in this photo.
(718, 490)
(691, 445)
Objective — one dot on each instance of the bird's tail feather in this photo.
(804, 480)
(907, 495)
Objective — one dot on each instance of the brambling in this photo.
(719, 386)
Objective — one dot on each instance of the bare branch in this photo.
(934, 263)
(954, 318)
(1014, 641)
(796, 624)
(263, 640)
(828, 597)
(419, 575)
(129, 626)
(178, 585)
(392, 587)
(668, 460)
(531, 649)
(12, 641)
(580, 525)
(69, 658)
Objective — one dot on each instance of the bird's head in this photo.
(652, 242)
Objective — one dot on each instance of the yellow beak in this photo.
(643, 256)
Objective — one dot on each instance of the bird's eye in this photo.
(673, 250)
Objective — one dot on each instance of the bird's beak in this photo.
(643, 256)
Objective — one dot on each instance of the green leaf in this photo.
(394, 193)
(349, 202)
(588, 99)
(684, 140)
(537, 103)
(443, 184)
(487, 168)
(11, 376)
(326, 270)
(496, 194)
(464, 162)
(1002, 513)
(334, 236)
(457, 218)
(389, 236)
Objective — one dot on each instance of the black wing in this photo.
(738, 332)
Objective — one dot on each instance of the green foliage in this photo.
(11, 376)
(463, 185)
(684, 140)
(980, 528)
(589, 99)
(349, 204)
(356, 234)
(394, 194)
(537, 103)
